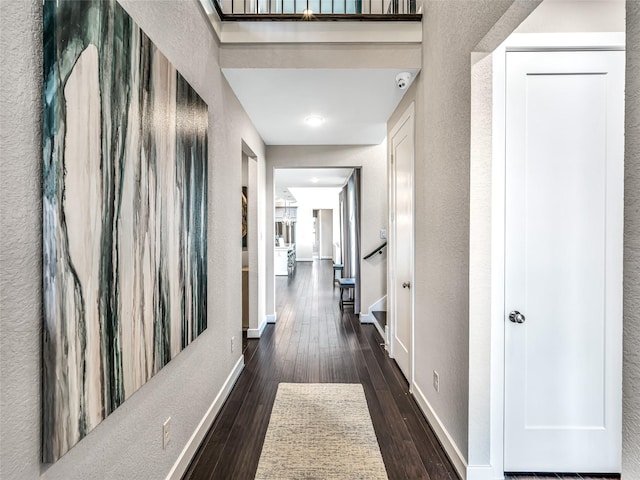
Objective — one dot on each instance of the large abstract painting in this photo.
(124, 215)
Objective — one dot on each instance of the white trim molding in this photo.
(480, 472)
(271, 318)
(409, 115)
(380, 305)
(257, 332)
(321, 32)
(367, 318)
(545, 42)
(184, 459)
(449, 445)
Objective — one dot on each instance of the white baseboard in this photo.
(299, 259)
(366, 318)
(180, 467)
(450, 447)
(480, 472)
(271, 318)
(381, 304)
(326, 258)
(498, 474)
(257, 332)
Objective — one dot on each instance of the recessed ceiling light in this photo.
(314, 180)
(314, 120)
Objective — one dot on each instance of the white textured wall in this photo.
(451, 30)
(20, 238)
(631, 370)
(127, 444)
(304, 233)
(575, 16)
(321, 55)
(480, 264)
(485, 434)
(372, 159)
(325, 217)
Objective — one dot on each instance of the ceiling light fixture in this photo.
(314, 180)
(314, 120)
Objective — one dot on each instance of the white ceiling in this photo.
(356, 103)
(289, 181)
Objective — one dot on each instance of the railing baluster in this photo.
(349, 8)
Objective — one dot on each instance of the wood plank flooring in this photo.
(313, 341)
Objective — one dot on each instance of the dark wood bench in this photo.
(347, 285)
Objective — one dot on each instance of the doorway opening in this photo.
(317, 220)
(253, 244)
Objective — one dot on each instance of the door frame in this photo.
(407, 116)
(515, 43)
(256, 248)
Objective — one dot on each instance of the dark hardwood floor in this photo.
(313, 341)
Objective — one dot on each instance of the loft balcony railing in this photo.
(310, 10)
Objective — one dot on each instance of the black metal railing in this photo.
(317, 9)
(378, 250)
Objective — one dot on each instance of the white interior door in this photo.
(564, 225)
(402, 157)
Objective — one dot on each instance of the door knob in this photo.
(516, 317)
(406, 285)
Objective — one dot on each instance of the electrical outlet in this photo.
(166, 432)
(383, 234)
(233, 344)
(436, 381)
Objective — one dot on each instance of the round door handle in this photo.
(516, 317)
(406, 285)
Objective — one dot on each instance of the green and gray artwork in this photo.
(124, 215)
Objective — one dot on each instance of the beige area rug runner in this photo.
(320, 431)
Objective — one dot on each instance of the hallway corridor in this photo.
(313, 341)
